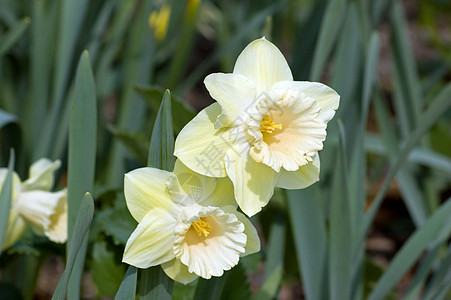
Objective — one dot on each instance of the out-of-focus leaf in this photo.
(14, 34)
(274, 262)
(117, 223)
(340, 258)
(81, 155)
(106, 273)
(78, 237)
(309, 233)
(240, 285)
(438, 226)
(5, 199)
(136, 142)
(437, 107)
(184, 292)
(330, 26)
(182, 113)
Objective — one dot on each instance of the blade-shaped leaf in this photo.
(14, 34)
(438, 226)
(5, 199)
(78, 237)
(82, 154)
(127, 290)
(309, 233)
(154, 282)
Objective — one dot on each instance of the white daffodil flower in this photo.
(265, 130)
(32, 203)
(188, 223)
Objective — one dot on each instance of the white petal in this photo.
(188, 187)
(253, 241)
(306, 175)
(46, 211)
(146, 189)
(178, 271)
(253, 182)
(151, 242)
(210, 255)
(41, 175)
(234, 92)
(202, 147)
(264, 64)
(324, 95)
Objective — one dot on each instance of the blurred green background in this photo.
(377, 224)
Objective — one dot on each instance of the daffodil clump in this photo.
(33, 204)
(265, 131)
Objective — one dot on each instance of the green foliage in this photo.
(106, 274)
(109, 111)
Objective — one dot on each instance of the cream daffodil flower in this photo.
(32, 203)
(264, 131)
(188, 223)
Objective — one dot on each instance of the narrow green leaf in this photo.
(41, 52)
(340, 229)
(372, 58)
(154, 282)
(138, 54)
(405, 63)
(82, 155)
(441, 280)
(162, 141)
(274, 264)
(5, 199)
(330, 27)
(71, 19)
(212, 288)
(309, 233)
(78, 237)
(438, 106)
(14, 34)
(127, 290)
(437, 226)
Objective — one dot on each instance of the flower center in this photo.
(201, 227)
(267, 125)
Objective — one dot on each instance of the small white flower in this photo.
(32, 203)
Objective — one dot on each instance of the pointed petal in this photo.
(253, 182)
(41, 175)
(324, 95)
(188, 187)
(145, 189)
(151, 242)
(201, 147)
(253, 241)
(234, 92)
(178, 271)
(306, 175)
(264, 64)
